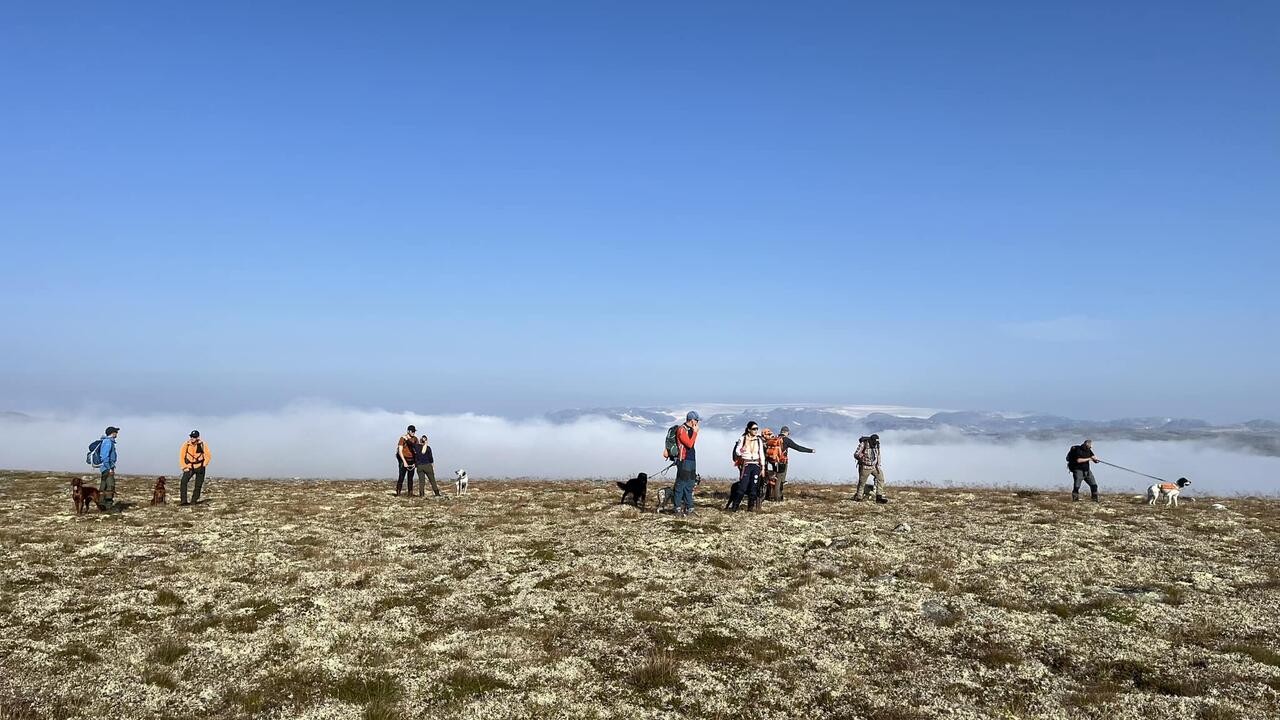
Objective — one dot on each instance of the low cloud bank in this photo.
(333, 442)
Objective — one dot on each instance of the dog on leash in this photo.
(460, 482)
(638, 488)
(666, 499)
(667, 496)
(157, 495)
(82, 495)
(1168, 491)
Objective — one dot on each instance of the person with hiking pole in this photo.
(194, 456)
(406, 451)
(777, 457)
(1079, 458)
(868, 457)
(748, 455)
(686, 463)
(425, 461)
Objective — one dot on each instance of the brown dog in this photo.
(157, 495)
(82, 495)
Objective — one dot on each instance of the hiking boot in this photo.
(1075, 498)
(882, 500)
(184, 503)
(857, 498)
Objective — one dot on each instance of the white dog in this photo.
(460, 482)
(1169, 491)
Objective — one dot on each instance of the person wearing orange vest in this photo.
(194, 457)
(406, 454)
(778, 472)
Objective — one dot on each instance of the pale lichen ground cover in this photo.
(336, 600)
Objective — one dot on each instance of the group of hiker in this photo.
(413, 453)
(760, 456)
(761, 459)
(193, 458)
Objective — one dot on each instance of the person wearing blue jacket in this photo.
(107, 451)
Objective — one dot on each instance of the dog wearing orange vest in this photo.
(1167, 490)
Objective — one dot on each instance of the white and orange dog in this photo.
(1167, 490)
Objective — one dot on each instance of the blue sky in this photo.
(519, 207)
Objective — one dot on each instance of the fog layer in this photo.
(324, 441)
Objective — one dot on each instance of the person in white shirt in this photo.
(748, 454)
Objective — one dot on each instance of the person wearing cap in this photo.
(686, 465)
(1078, 461)
(406, 452)
(425, 461)
(194, 457)
(779, 474)
(107, 484)
(868, 457)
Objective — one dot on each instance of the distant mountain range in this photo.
(1256, 435)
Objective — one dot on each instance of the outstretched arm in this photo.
(793, 445)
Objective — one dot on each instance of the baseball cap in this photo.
(693, 415)
(195, 433)
(111, 429)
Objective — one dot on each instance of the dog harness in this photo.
(1168, 486)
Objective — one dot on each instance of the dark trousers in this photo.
(406, 471)
(686, 478)
(426, 471)
(198, 474)
(107, 486)
(748, 486)
(1084, 475)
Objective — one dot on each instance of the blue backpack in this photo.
(94, 456)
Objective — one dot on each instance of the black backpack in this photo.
(671, 449)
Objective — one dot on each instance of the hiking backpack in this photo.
(671, 448)
(737, 457)
(774, 450)
(94, 456)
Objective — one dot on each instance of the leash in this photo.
(1135, 472)
(661, 472)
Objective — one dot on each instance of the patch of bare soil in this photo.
(288, 599)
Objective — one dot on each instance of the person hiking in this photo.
(686, 463)
(194, 456)
(406, 451)
(1079, 458)
(748, 453)
(425, 461)
(868, 457)
(778, 459)
(107, 484)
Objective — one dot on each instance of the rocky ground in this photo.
(295, 599)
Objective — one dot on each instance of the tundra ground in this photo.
(297, 599)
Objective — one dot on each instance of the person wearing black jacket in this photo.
(426, 463)
(779, 470)
(1078, 459)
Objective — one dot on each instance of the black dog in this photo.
(637, 487)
